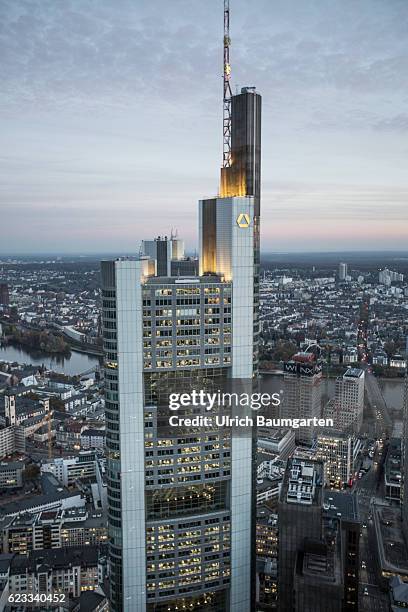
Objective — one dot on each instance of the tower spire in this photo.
(226, 162)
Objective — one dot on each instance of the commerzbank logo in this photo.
(243, 220)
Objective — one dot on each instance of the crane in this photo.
(49, 440)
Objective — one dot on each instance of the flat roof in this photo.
(339, 502)
(354, 372)
(12, 465)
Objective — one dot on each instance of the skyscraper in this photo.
(349, 401)
(302, 393)
(300, 519)
(342, 271)
(404, 454)
(181, 499)
(159, 250)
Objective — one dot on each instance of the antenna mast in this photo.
(226, 161)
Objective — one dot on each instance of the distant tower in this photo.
(159, 249)
(342, 271)
(177, 246)
(4, 295)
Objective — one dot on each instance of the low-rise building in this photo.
(69, 570)
(93, 438)
(11, 475)
(68, 470)
(12, 440)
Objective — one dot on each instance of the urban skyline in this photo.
(101, 118)
(196, 427)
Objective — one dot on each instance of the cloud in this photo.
(116, 106)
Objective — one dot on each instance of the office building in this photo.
(339, 451)
(266, 559)
(12, 440)
(167, 255)
(341, 525)
(300, 519)
(70, 469)
(181, 501)
(302, 393)
(11, 475)
(349, 401)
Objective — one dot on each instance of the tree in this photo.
(31, 472)
(389, 348)
(284, 350)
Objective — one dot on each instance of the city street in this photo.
(372, 599)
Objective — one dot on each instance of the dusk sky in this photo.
(111, 120)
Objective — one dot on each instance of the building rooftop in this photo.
(90, 600)
(11, 465)
(92, 433)
(303, 482)
(56, 558)
(339, 504)
(304, 357)
(399, 593)
(354, 373)
(317, 563)
(24, 505)
(391, 544)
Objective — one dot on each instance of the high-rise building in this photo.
(386, 277)
(159, 250)
(341, 521)
(318, 542)
(318, 581)
(404, 455)
(349, 401)
(168, 257)
(302, 394)
(342, 271)
(266, 559)
(339, 452)
(180, 500)
(300, 519)
(177, 247)
(4, 294)
(327, 571)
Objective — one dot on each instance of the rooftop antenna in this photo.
(226, 161)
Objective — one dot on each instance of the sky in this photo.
(111, 120)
